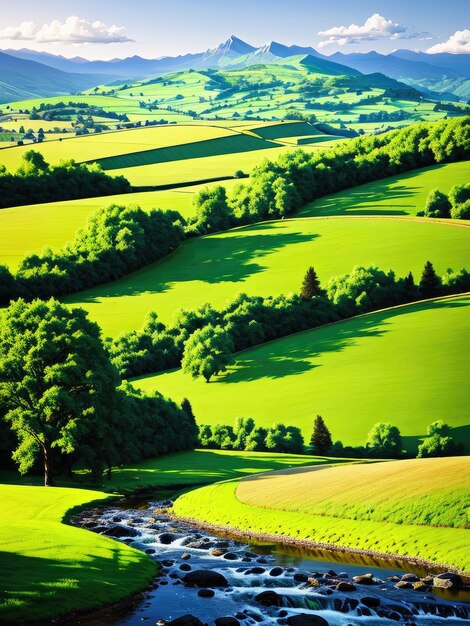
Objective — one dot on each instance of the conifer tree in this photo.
(430, 284)
(321, 438)
(310, 285)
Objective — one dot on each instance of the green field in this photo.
(400, 195)
(29, 229)
(49, 569)
(407, 366)
(269, 259)
(378, 507)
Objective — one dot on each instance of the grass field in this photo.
(180, 469)
(400, 195)
(381, 367)
(118, 143)
(269, 259)
(29, 229)
(48, 569)
(371, 507)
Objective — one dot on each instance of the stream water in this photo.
(279, 572)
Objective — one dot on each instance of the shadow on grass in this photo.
(300, 353)
(43, 588)
(233, 257)
(380, 198)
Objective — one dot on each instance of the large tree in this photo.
(437, 204)
(207, 352)
(321, 437)
(57, 386)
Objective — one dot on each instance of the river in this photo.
(278, 572)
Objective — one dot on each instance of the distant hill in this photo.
(21, 79)
(447, 75)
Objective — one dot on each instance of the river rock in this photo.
(185, 556)
(314, 582)
(306, 619)
(269, 598)
(370, 601)
(227, 621)
(403, 584)
(185, 567)
(120, 531)
(206, 593)
(205, 578)
(276, 571)
(217, 552)
(411, 578)
(255, 570)
(345, 585)
(448, 580)
(230, 556)
(300, 577)
(420, 586)
(150, 551)
(186, 620)
(364, 579)
(167, 538)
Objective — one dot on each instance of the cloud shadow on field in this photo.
(302, 352)
(233, 257)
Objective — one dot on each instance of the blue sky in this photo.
(152, 28)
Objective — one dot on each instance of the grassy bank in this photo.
(332, 515)
(48, 569)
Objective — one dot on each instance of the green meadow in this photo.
(48, 569)
(406, 366)
(256, 504)
(400, 195)
(28, 229)
(269, 259)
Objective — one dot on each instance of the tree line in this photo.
(203, 340)
(62, 402)
(68, 180)
(383, 440)
(116, 241)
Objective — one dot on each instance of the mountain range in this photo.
(27, 73)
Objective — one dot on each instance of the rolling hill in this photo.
(21, 79)
(380, 367)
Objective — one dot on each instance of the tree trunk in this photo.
(48, 480)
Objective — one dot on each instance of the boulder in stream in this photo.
(120, 531)
(227, 621)
(269, 598)
(205, 578)
(448, 580)
(306, 619)
(186, 620)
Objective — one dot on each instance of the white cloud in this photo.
(375, 27)
(74, 30)
(458, 43)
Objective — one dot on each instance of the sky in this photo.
(105, 29)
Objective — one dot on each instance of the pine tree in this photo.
(409, 289)
(310, 285)
(321, 438)
(430, 284)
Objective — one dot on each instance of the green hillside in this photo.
(381, 367)
(269, 259)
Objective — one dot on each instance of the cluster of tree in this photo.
(455, 205)
(35, 178)
(384, 116)
(117, 240)
(247, 436)
(278, 189)
(439, 442)
(338, 105)
(383, 440)
(63, 111)
(62, 401)
(203, 340)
